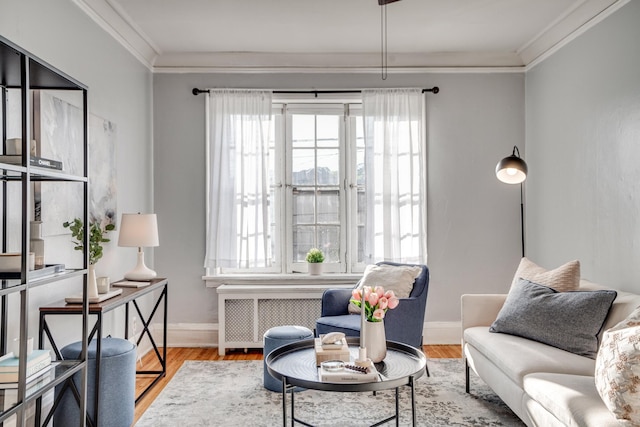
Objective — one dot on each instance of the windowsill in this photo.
(293, 279)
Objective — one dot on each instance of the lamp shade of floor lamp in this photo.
(513, 170)
(139, 230)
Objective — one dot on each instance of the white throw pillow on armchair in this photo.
(396, 278)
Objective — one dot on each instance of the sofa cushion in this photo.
(517, 356)
(567, 320)
(571, 399)
(396, 278)
(617, 375)
(564, 278)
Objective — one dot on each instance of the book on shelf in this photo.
(348, 375)
(46, 163)
(15, 159)
(36, 361)
(41, 377)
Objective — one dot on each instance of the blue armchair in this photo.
(403, 324)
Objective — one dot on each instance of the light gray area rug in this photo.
(230, 393)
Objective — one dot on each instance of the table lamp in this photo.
(139, 230)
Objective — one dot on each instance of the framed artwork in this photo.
(58, 131)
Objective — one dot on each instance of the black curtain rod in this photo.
(434, 89)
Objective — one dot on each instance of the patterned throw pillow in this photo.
(617, 373)
(562, 279)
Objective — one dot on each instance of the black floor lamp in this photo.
(513, 170)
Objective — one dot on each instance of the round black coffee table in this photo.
(295, 365)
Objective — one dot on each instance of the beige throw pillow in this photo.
(396, 278)
(562, 279)
(617, 374)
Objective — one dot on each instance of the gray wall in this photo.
(58, 32)
(473, 219)
(583, 152)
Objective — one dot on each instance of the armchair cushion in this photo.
(396, 278)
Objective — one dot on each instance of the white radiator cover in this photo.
(246, 312)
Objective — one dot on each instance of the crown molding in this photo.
(257, 62)
(115, 21)
(120, 26)
(566, 28)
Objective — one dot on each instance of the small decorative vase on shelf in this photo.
(375, 341)
(315, 268)
(92, 284)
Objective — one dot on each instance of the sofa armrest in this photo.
(335, 302)
(480, 309)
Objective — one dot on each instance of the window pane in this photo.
(329, 242)
(328, 206)
(303, 206)
(303, 240)
(360, 169)
(303, 166)
(328, 167)
(303, 130)
(328, 130)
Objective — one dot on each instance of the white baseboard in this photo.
(442, 333)
(206, 335)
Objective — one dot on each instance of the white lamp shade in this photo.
(138, 230)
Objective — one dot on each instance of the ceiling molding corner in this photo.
(566, 28)
(121, 29)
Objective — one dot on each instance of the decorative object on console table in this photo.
(139, 230)
(314, 259)
(96, 239)
(513, 170)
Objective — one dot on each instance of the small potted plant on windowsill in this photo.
(315, 258)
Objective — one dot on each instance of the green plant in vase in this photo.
(315, 258)
(96, 239)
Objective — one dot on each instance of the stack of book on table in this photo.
(348, 373)
(38, 364)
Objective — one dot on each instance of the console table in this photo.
(128, 295)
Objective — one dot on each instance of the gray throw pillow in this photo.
(570, 320)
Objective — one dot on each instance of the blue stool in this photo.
(117, 384)
(277, 337)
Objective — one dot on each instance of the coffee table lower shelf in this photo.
(295, 365)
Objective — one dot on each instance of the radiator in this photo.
(247, 312)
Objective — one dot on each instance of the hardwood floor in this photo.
(177, 355)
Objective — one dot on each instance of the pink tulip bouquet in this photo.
(377, 301)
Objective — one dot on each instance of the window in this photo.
(318, 192)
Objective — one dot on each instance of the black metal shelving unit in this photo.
(21, 76)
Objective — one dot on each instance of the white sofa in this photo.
(543, 385)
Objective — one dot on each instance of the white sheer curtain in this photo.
(238, 130)
(395, 163)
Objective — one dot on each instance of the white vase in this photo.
(92, 284)
(314, 268)
(375, 341)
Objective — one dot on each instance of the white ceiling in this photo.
(326, 35)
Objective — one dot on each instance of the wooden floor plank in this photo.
(177, 355)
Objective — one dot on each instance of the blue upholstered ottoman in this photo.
(277, 337)
(117, 384)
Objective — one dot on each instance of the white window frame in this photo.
(283, 190)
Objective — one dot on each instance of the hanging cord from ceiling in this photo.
(383, 42)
